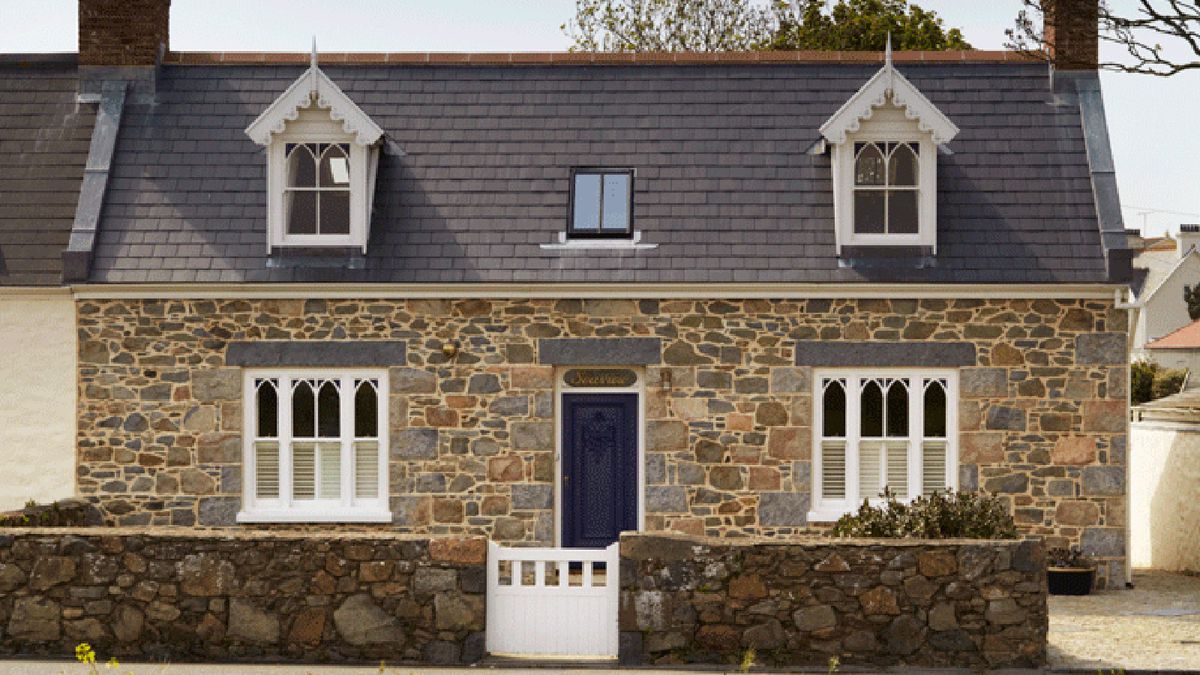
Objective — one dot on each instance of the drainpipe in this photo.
(1133, 308)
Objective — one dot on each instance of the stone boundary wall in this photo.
(973, 604)
(274, 596)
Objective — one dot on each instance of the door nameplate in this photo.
(582, 378)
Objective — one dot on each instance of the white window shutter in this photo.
(833, 470)
(897, 469)
(933, 467)
(366, 470)
(331, 471)
(266, 470)
(304, 471)
(868, 470)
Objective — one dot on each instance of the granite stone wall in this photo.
(242, 596)
(728, 439)
(966, 604)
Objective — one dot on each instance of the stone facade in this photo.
(977, 604)
(259, 595)
(728, 413)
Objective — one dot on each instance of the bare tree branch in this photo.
(1139, 30)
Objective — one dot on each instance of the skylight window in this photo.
(601, 203)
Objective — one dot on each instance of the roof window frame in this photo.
(624, 234)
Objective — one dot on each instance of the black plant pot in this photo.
(1070, 580)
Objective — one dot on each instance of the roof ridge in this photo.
(598, 58)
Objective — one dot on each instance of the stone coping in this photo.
(165, 531)
(817, 541)
(325, 535)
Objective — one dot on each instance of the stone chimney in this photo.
(1189, 238)
(1072, 33)
(123, 32)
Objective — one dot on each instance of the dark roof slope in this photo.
(44, 138)
(725, 184)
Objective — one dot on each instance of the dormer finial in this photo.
(314, 52)
(887, 52)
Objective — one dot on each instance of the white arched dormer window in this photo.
(884, 147)
(322, 157)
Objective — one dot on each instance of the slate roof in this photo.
(44, 140)
(726, 185)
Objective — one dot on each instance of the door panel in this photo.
(599, 465)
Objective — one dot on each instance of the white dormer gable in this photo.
(322, 157)
(884, 146)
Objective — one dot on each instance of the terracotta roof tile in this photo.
(1187, 337)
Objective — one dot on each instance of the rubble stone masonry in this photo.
(1042, 412)
(180, 595)
(968, 604)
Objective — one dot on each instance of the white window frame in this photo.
(361, 186)
(843, 159)
(348, 508)
(828, 510)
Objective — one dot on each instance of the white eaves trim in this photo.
(782, 291)
(287, 108)
(848, 119)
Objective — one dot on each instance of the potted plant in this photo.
(1069, 572)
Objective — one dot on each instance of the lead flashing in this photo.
(77, 258)
(1113, 238)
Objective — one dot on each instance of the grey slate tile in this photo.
(724, 184)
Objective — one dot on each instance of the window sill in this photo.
(314, 516)
(825, 515)
(567, 244)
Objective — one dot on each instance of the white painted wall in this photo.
(1164, 480)
(37, 396)
(1188, 359)
(1165, 311)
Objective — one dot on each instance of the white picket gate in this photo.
(553, 602)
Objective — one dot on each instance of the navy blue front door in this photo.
(599, 465)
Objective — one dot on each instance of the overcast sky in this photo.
(1151, 119)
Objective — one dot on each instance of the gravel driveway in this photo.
(1154, 626)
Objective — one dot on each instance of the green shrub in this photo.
(1141, 376)
(1168, 381)
(942, 515)
(1150, 381)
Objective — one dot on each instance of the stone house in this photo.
(550, 297)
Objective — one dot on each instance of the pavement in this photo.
(1155, 626)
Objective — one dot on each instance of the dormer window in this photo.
(316, 196)
(886, 188)
(884, 146)
(322, 156)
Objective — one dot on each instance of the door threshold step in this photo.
(549, 663)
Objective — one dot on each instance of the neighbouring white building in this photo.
(1164, 474)
(1168, 268)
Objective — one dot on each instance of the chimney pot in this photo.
(1072, 33)
(123, 32)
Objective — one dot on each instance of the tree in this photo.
(743, 25)
(863, 25)
(1191, 295)
(1156, 35)
(667, 25)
